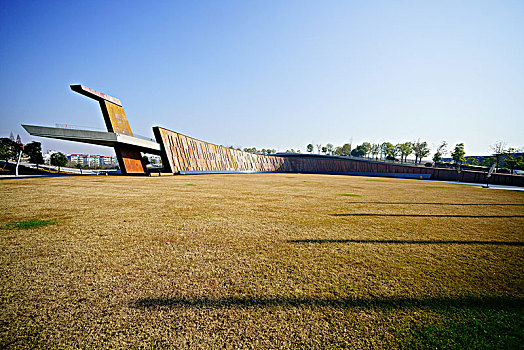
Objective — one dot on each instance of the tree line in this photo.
(385, 150)
(502, 156)
(11, 150)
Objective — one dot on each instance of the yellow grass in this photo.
(258, 261)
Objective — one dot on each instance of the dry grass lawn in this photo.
(259, 261)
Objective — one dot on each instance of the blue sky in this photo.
(270, 74)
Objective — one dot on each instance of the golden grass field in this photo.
(260, 261)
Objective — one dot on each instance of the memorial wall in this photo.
(181, 153)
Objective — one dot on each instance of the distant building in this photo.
(92, 160)
(47, 156)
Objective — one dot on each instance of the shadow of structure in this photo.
(393, 241)
(434, 203)
(496, 302)
(432, 215)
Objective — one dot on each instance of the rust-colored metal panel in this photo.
(115, 118)
(130, 161)
(183, 153)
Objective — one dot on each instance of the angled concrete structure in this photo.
(101, 138)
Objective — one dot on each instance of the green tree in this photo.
(309, 148)
(366, 147)
(509, 160)
(441, 150)
(404, 150)
(488, 162)
(375, 150)
(346, 149)
(498, 148)
(329, 148)
(458, 154)
(520, 162)
(472, 161)
(324, 149)
(34, 151)
(359, 151)
(388, 149)
(58, 159)
(8, 149)
(421, 150)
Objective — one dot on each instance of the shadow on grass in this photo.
(433, 215)
(392, 241)
(386, 303)
(433, 203)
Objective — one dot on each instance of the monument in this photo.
(183, 154)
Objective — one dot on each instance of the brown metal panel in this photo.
(130, 161)
(115, 118)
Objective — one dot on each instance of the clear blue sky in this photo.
(277, 74)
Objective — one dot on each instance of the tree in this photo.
(388, 150)
(34, 151)
(324, 149)
(441, 150)
(509, 160)
(421, 150)
(58, 159)
(458, 154)
(359, 151)
(488, 162)
(520, 162)
(346, 149)
(472, 161)
(375, 150)
(404, 150)
(337, 151)
(309, 148)
(8, 149)
(498, 148)
(366, 147)
(329, 148)
(319, 148)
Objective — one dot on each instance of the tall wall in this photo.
(182, 153)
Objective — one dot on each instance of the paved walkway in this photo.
(495, 187)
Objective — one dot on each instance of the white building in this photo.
(92, 160)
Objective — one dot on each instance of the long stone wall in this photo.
(184, 154)
(351, 166)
